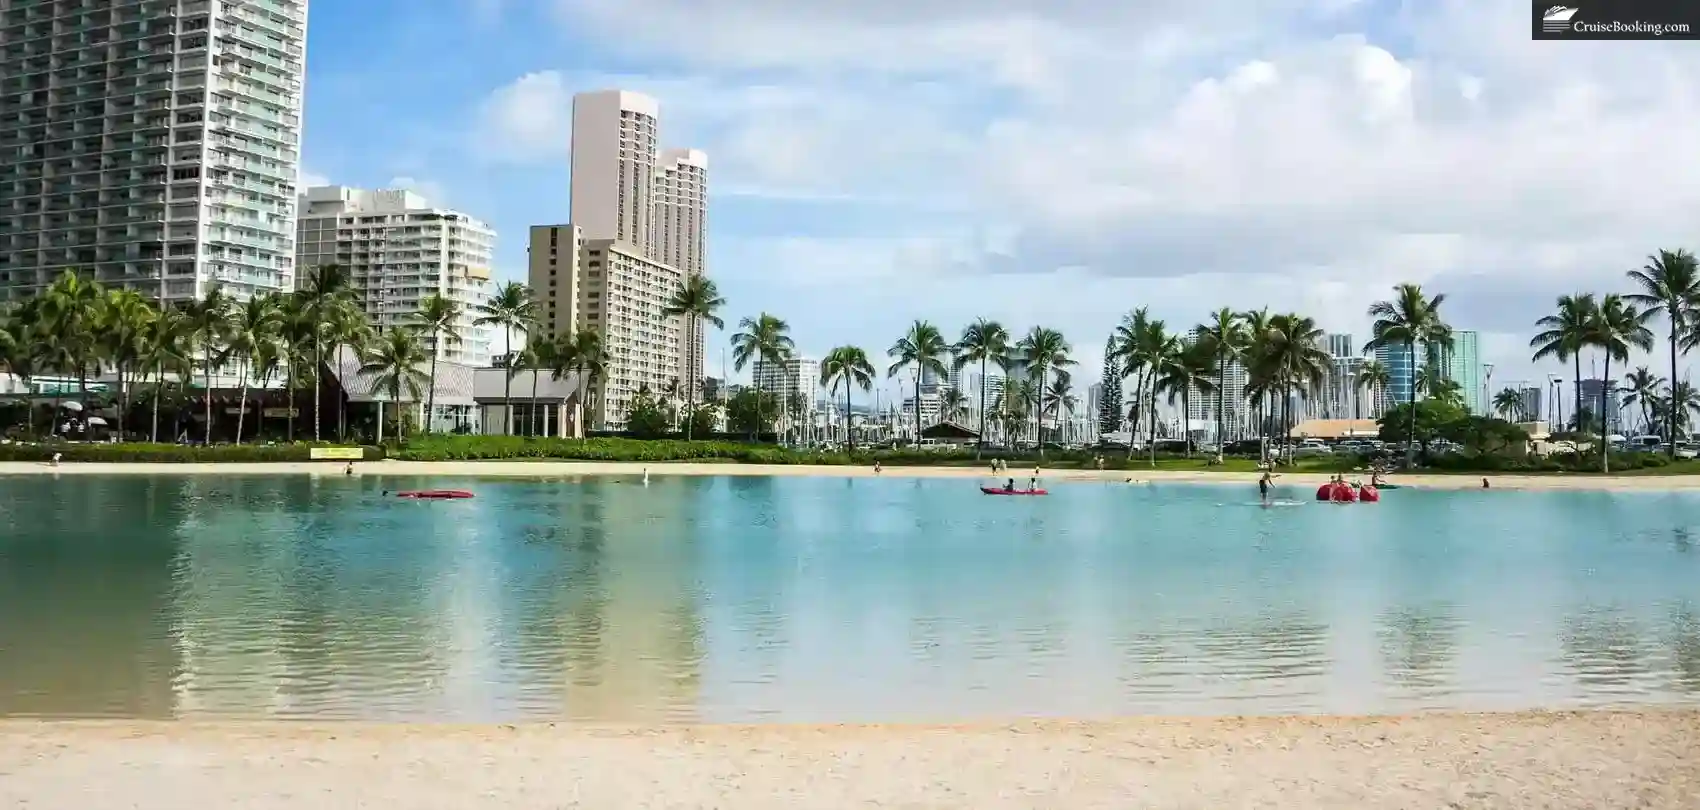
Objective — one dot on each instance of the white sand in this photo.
(1585, 761)
(511, 469)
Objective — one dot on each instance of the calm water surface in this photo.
(821, 599)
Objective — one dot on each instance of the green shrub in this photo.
(143, 452)
(612, 449)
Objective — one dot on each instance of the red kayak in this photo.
(1001, 491)
(434, 494)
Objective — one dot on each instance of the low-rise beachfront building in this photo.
(533, 401)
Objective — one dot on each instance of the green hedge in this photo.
(168, 453)
(473, 448)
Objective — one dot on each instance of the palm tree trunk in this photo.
(1605, 442)
(153, 432)
(318, 372)
(206, 379)
(980, 442)
(849, 435)
(431, 395)
(917, 405)
(1221, 403)
(1411, 440)
(690, 385)
(508, 381)
(536, 423)
(290, 386)
(241, 403)
(1671, 427)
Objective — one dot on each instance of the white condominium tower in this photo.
(398, 250)
(150, 144)
(646, 212)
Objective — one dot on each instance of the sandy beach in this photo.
(1564, 760)
(553, 469)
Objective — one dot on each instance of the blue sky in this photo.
(1052, 163)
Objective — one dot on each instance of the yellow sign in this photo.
(336, 454)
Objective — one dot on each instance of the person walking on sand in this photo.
(877, 468)
(349, 469)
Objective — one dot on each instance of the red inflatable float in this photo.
(1368, 494)
(1335, 492)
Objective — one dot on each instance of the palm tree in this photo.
(1293, 361)
(1678, 402)
(439, 316)
(1410, 317)
(698, 301)
(1617, 327)
(1043, 350)
(846, 366)
(1190, 370)
(325, 294)
(765, 339)
(209, 322)
(514, 310)
(539, 356)
(1669, 285)
(121, 326)
(298, 333)
(72, 304)
(251, 335)
(952, 404)
(1059, 401)
(1566, 333)
(1372, 377)
(345, 325)
(1643, 387)
(1508, 403)
(167, 347)
(393, 363)
(1257, 325)
(924, 349)
(983, 342)
(1225, 339)
(579, 353)
(20, 349)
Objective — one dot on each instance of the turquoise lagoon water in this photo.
(737, 599)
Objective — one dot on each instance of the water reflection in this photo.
(1418, 647)
(747, 598)
(1605, 650)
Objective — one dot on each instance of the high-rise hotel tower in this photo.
(150, 144)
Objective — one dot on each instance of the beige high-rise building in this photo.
(616, 290)
(678, 234)
(552, 274)
(613, 161)
(638, 230)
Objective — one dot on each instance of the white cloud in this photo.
(1299, 154)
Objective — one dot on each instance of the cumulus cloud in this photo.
(1182, 155)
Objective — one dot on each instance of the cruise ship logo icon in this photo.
(1556, 20)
